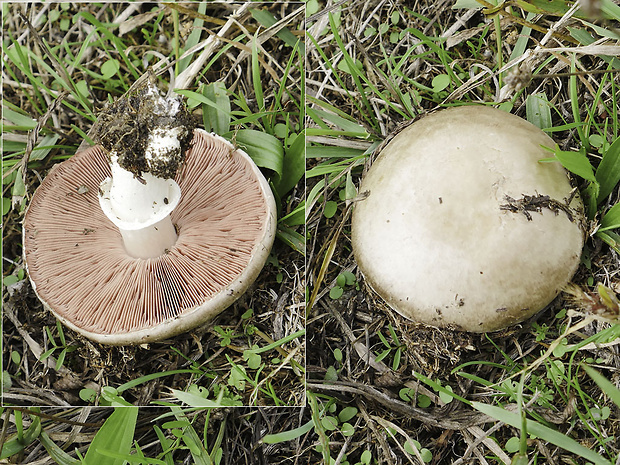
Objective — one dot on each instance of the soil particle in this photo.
(124, 126)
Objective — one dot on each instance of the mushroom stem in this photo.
(151, 241)
(140, 207)
(146, 135)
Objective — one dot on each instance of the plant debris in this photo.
(125, 125)
(535, 203)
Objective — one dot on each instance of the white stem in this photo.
(141, 208)
(150, 242)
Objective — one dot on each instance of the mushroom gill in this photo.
(79, 267)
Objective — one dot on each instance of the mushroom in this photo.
(461, 225)
(124, 254)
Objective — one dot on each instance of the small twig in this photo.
(34, 134)
(59, 69)
(435, 418)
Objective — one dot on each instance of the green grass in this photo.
(250, 90)
(161, 436)
(371, 69)
(319, 109)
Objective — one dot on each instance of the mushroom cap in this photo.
(226, 223)
(447, 234)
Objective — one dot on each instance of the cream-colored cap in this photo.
(463, 226)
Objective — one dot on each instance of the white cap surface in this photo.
(446, 235)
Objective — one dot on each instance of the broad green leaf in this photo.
(254, 360)
(330, 209)
(347, 429)
(538, 110)
(110, 68)
(611, 219)
(288, 435)
(608, 171)
(440, 82)
(347, 413)
(116, 435)
(238, 376)
(336, 292)
(312, 7)
(575, 162)
(543, 432)
(111, 398)
(44, 146)
(216, 117)
(293, 165)
(329, 422)
(265, 149)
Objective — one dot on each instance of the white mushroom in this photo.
(151, 256)
(462, 226)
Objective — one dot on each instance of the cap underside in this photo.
(78, 264)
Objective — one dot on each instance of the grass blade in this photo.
(56, 453)
(288, 435)
(17, 444)
(267, 20)
(291, 238)
(611, 219)
(542, 431)
(608, 171)
(606, 386)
